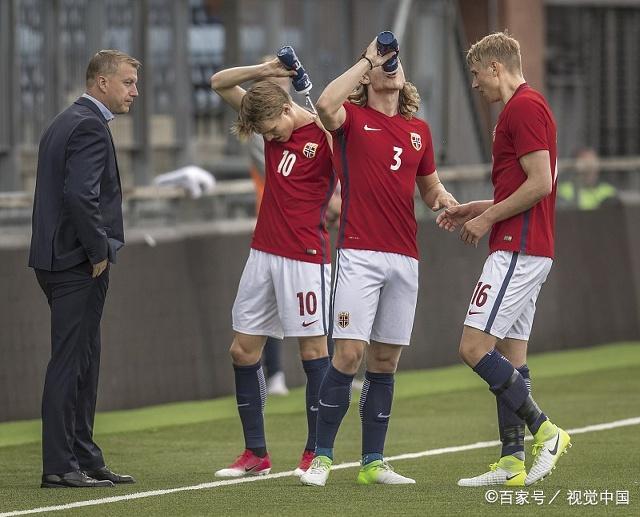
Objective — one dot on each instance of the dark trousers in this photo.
(71, 383)
(272, 356)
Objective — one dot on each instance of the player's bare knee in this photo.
(347, 359)
(244, 354)
(468, 352)
(313, 348)
(383, 358)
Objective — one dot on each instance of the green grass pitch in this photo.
(179, 445)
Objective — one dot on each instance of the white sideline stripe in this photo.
(214, 484)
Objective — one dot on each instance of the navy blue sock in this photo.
(333, 402)
(509, 387)
(315, 370)
(251, 394)
(511, 425)
(375, 410)
(494, 368)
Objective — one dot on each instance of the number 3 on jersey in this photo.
(396, 158)
(286, 164)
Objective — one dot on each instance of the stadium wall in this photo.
(166, 326)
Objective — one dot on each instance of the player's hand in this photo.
(275, 68)
(99, 268)
(454, 216)
(473, 230)
(372, 54)
(444, 200)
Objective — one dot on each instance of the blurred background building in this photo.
(167, 322)
(581, 53)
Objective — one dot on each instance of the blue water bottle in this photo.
(301, 82)
(386, 43)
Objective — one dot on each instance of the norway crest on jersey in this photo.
(416, 141)
(310, 149)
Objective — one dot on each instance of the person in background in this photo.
(586, 191)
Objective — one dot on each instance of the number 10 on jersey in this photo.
(286, 163)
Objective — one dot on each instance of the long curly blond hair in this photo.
(408, 102)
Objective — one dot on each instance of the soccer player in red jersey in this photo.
(521, 218)
(381, 151)
(286, 283)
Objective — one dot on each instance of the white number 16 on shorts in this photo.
(503, 303)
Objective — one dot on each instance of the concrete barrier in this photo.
(167, 323)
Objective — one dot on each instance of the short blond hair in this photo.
(264, 100)
(498, 46)
(106, 62)
(408, 101)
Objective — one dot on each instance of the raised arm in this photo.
(329, 104)
(226, 83)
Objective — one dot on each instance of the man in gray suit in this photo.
(77, 231)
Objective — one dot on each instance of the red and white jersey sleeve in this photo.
(299, 183)
(525, 125)
(377, 158)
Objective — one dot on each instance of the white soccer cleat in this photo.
(318, 472)
(276, 384)
(550, 442)
(381, 473)
(509, 471)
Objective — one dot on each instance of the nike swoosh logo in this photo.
(249, 469)
(328, 405)
(367, 128)
(471, 313)
(511, 477)
(243, 405)
(313, 408)
(305, 324)
(380, 415)
(554, 451)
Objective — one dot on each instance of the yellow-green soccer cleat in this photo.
(549, 443)
(509, 471)
(318, 473)
(380, 472)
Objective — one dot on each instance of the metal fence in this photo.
(46, 45)
(591, 62)
(593, 75)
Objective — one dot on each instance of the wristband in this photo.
(368, 61)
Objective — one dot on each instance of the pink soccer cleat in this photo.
(305, 462)
(247, 464)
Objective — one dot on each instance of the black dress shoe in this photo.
(104, 473)
(75, 479)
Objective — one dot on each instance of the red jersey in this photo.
(526, 124)
(299, 183)
(378, 158)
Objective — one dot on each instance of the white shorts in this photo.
(375, 296)
(504, 300)
(279, 297)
